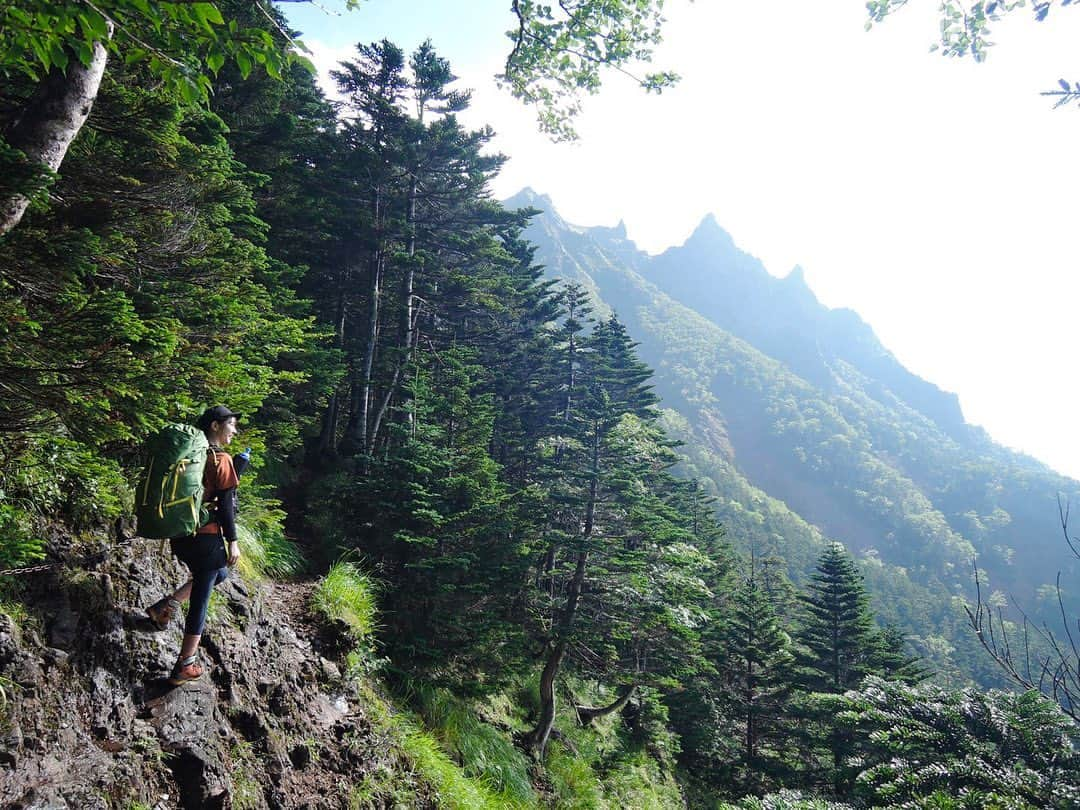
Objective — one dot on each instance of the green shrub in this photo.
(784, 800)
(19, 544)
(53, 478)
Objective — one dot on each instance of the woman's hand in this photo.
(234, 552)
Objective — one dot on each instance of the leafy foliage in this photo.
(965, 29)
(183, 44)
(560, 52)
(963, 749)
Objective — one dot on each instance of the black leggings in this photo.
(205, 557)
(202, 583)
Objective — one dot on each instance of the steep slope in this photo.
(809, 429)
(89, 721)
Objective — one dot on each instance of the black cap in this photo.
(218, 413)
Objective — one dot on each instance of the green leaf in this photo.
(243, 61)
(273, 68)
(209, 12)
(94, 25)
(58, 55)
(84, 52)
(189, 92)
(214, 61)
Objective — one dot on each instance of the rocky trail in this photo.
(88, 720)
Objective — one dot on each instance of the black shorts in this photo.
(200, 552)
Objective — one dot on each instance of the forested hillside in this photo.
(478, 569)
(808, 430)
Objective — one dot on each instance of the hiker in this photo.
(204, 553)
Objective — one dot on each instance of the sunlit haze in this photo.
(932, 196)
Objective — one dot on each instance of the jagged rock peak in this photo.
(795, 282)
(615, 232)
(528, 197)
(548, 218)
(709, 231)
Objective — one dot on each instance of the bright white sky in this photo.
(935, 197)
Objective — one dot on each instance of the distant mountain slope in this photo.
(784, 319)
(808, 428)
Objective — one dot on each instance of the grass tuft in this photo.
(485, 753)
(455, 790)
(573, 780)
(265, 551)
(349, 595)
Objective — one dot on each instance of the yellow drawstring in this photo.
(146, 487)
(181, 467)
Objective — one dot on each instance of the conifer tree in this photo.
(839, 645)
(442, 535)
(375, 86)
(758, 672)
(837, 633)
(520, 351)
(893, 661)
(929, 747)
(613, 533)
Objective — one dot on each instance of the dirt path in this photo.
(294, 600)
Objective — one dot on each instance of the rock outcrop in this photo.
(88, 719)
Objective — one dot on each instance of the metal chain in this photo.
(34, 569)
(30, 569)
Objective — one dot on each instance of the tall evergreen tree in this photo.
(613, 533)
(837, 633)
(839, 645)
(757, 669)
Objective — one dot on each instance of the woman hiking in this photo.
(205, 552)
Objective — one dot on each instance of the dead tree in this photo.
(1053, 668)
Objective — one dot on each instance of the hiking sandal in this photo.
(188, 669)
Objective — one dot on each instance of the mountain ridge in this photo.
(811, 413)
(831, 328)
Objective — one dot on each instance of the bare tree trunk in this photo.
(539, 737)
(360, 436)
(408, 330)
(51, 120)
(328, 435)
(586, 714)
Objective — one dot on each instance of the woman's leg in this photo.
(183, 593)
(198, 589)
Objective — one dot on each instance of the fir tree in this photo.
(612, 537)
(837, 633)
(839, 645)
(757, 669)
(928, 747)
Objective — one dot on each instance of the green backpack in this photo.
(168, 499)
